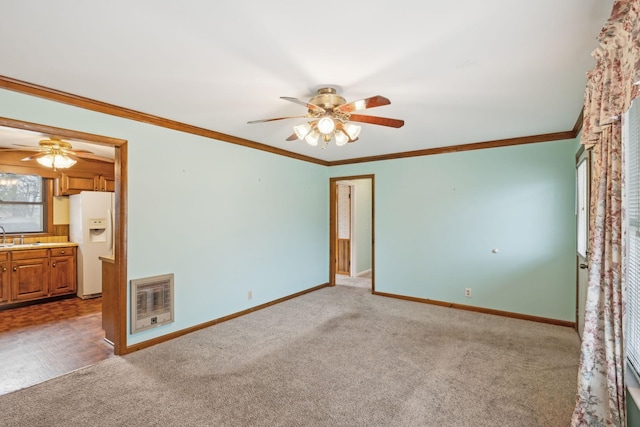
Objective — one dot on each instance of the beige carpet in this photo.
(363, 281)
(335, 357)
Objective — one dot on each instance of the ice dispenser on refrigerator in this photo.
(98, 230)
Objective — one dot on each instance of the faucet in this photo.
(4, 236)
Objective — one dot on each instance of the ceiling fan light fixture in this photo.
(56, 161)
(330, 115)
(312, 138)
(341, 138)
(352, 130)
(302, 130)
(326, 125)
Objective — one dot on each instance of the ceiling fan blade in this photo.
(292, 137)
(363, 104)
(74, 151)
(26, 148)
(26, 159)
(72, 155)
(90, 156)
(312, 107)
(382, 121)
(34, 156)
(276, 118)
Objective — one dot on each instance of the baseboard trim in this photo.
(364, 273)
(19, 304)
(144, 344)
(481, 310)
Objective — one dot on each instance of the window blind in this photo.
(632, 207)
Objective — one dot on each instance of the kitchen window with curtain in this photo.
(22, 203)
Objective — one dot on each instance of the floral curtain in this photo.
(610, 89)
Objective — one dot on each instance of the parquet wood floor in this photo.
(43, 341)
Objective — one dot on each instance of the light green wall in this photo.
(225, 219)
(362, 225)
(228, 219)
(438, 218)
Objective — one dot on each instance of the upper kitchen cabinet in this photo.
(72, 182)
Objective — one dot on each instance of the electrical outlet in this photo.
(249, 295)
(467, 292)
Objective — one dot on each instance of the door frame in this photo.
(120, 244)
(351, 189)
(333, 226)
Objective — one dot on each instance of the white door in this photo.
(583, 168)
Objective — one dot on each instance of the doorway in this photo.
(116, 289)
(351, 236)
(345, 227)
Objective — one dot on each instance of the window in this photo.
(631, 197)
(22, 206)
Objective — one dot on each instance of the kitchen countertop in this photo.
(27, 246)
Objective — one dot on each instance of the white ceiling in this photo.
(457, 72)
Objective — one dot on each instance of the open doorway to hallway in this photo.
(351, 236)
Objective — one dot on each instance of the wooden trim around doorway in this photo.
(120, 169)
(333, 226)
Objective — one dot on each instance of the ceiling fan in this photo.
(57, 154)
(331, 117)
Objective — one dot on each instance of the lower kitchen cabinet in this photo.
(34, 274)
(63, 271)
(29, 274)
(4, 277)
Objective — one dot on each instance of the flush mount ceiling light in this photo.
(332, 115)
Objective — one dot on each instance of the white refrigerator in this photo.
(91, 227)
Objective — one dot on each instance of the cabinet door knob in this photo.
(4, 269)
(62, 252)
(15, 268)
(54, 264)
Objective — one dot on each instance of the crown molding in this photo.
(547, 137)
(114, 110)
(125, 113)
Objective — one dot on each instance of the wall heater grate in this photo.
(151, 302)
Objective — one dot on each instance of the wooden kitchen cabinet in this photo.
(4, 276)
(30, 274)
(74, 182)
(34, 274)
(63, 271)
(106, 183)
